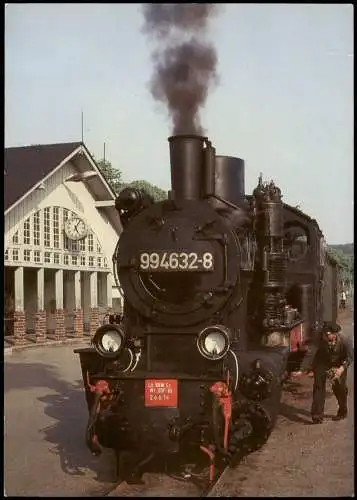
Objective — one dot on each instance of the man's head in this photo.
(330, 332)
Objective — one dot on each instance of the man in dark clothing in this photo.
(329, 358)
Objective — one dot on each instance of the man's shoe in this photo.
(317, 419)
(341, 415)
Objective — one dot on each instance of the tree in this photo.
(114, 178)
(112, 175)
(157, 193)
(344, 256)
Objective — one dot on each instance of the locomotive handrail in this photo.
(115, 270)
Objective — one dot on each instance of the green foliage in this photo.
(344, 256)
(346, 249)
(114, 178)
(112, 175)
(157, 193)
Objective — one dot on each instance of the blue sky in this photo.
(284, 102)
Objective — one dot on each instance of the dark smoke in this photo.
(185, 63)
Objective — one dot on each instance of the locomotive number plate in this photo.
(161, 393)
(176, 261)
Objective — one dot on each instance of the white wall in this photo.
(71, 195)
(35, 200)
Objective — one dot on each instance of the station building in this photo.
(61, 229)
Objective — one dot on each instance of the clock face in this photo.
(75, 228)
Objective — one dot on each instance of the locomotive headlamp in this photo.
(214, 342)
(109, 341)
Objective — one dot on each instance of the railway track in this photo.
(163, 485)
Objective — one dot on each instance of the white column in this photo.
(19, 289)
(109, 291)
(59, 289)
(77, 290)
(93, 289)
(41, 289)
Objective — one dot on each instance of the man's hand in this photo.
(296, 374)
(339, 371)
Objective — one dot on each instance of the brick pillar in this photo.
(40, 326)
(93, 320)
(19, 327)
(78, 322)
(60, 331)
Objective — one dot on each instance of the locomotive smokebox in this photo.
(229, 181)
(186, 159)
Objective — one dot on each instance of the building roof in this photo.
(28, 165)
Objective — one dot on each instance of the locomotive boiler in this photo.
(194, 366)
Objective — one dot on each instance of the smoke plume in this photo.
(185, 62)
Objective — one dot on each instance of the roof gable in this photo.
(26, 166)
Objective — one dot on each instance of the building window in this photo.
(15, 254)
(90, 243)
(15, 238)
(74, 260)
(105, 262)
(37, 256)
(47, 228)
(83, 260)
(82, 245)
(65, 214)
(66, 259)
(70, 245)
(56, 258)
(56, 228)
(36, 228)
(47, 257)
(6, 254)
(74, 246)
(27, 255)
(91, 261)
(27, 232)
(99, 249)
(99, 261)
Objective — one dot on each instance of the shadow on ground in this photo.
(66, 407)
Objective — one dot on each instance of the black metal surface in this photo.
(164, 312)
(229, 181)
(186, 159)
(182, 298)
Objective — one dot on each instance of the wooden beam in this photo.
(41, 289)
(93, 289)
(104, 203)
(77, 290)
(19, 289)
(59, 289)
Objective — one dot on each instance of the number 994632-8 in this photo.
(176, 261)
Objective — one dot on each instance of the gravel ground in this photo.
(300, 459)
(45, 453)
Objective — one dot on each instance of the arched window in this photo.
(41, 240)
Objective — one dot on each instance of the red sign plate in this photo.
(161, 393)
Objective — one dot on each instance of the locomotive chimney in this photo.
(186, 159)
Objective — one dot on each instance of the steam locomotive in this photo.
(220, 289)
